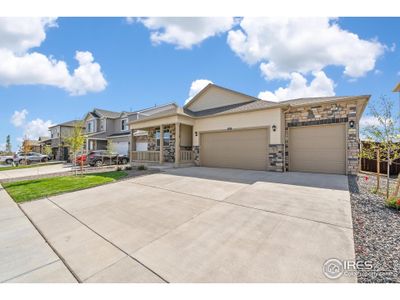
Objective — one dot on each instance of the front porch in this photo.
(167, 144)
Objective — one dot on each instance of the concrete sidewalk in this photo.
(24, 254)
(35, 171)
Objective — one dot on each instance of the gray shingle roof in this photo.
(67, 124)
(108, 113)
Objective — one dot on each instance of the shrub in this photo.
(128, 168)
(119, 169)
(393, 202)
(142, 168)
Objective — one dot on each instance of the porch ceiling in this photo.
(165, 120)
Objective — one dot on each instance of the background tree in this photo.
(26, 147)
(76, 141)
(8, 145)
(385, 132)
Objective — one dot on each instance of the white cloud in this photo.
(303, 45)
(37, 128)
(320, 86)
(20, 67)
(196, 87)
(369, 121)
(21, 34)
(18, 117)
(185, 32)
(87, 77)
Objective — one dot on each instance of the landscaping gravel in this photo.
(376, 231)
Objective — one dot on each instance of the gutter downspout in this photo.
(284, 138)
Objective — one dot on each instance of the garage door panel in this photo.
(318, 149)
(242, 149)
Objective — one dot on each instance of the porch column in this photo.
(132, 145)
(161, 144)
(177, 144)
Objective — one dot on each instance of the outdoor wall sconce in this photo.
(274, 128)
(195, 133)
(351, 124)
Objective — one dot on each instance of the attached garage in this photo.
(121, 147)
(239, 149)
(320, 149)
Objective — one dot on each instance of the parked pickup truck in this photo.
(101, 157)
(6, 159)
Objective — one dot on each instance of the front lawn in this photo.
(26, 190)
(26, 166)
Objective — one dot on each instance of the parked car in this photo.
(81, 158)
(101, 157)
(30, 157)
(8, 159)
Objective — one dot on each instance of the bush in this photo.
(393, 202)
(128, 168)
(142, 168)
(119, 169)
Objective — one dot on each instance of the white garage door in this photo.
(320, 149)
(121, 147)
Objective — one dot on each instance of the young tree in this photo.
(110, 150)
(385, 132)
(8, 145)
(47, 150)
(75, 141)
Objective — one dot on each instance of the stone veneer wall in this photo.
(196, 155)
(326, 114)
(275, 157)
(169, 150)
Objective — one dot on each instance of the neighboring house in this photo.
(34, 145)
(223, 128)
(104, 125)
(58, 133)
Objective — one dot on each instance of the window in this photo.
(89, 126)
(124, 124)
(167, 136)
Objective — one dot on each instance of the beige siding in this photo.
(186, 135)
(245, 120)
(319, 149)
(241, 149)
(217, 97)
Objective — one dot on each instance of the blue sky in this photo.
(146, 62)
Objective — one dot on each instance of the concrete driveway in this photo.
(201, 225)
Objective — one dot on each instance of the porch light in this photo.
(351, 124)
(273, 127)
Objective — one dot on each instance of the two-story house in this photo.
(103, 126)
(58, 133)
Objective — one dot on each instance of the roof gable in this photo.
(213, 96)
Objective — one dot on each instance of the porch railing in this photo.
(151, 156)
(186, 156)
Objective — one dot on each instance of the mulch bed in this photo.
(376, 230)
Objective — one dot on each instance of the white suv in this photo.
(30, 157)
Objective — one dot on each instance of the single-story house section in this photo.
(224, 128)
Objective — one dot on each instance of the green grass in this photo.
(26, 166)
(27, 190)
